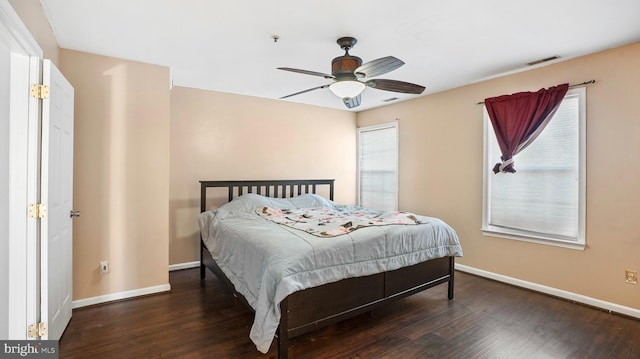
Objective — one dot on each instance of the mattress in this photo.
(267, 261)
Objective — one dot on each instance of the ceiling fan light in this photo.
(347, 89)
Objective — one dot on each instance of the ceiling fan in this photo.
(347, 71)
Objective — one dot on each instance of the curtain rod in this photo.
(570, 86)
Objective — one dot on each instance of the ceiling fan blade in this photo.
(395, 86)
(378, 67)
(306, 72)
(351, 102)
(307, 90)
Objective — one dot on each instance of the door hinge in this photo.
(37, 330)
(37, 210)
(40, 91)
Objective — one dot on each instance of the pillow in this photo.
(309, 200)
(248, 203)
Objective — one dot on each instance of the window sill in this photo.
(532, 238)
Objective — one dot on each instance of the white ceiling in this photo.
(227, 45)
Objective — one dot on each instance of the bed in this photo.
(298, 280)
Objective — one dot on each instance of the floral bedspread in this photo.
(331, 222)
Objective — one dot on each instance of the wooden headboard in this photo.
(268, 188)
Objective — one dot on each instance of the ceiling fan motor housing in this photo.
(342, 67)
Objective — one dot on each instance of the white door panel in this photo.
(57, 192)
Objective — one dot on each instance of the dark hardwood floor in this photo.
(486, 319)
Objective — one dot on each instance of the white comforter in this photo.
(266, 262)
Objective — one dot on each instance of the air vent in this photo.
(543, 60)
(390, 99)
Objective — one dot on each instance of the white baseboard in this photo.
(611, 307)
(185, 265)
(120, 295)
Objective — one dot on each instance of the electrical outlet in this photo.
(104, 267)
(631, 276)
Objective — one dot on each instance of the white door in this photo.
(57, 193)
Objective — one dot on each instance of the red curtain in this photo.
(519, 118)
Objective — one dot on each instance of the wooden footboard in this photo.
(317, 307)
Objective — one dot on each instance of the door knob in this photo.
(74, 214)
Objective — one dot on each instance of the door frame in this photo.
(24, 149)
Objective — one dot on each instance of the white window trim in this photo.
(372, 128)
(533, 237)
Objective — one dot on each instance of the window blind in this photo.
(378, 167)
(543, 196)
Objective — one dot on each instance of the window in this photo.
(378, 167)
(544, 201)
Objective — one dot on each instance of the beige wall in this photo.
(441, 174)
(32, 15)
(219, 136)
(121, 173)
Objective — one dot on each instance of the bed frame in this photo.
(317, 307)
